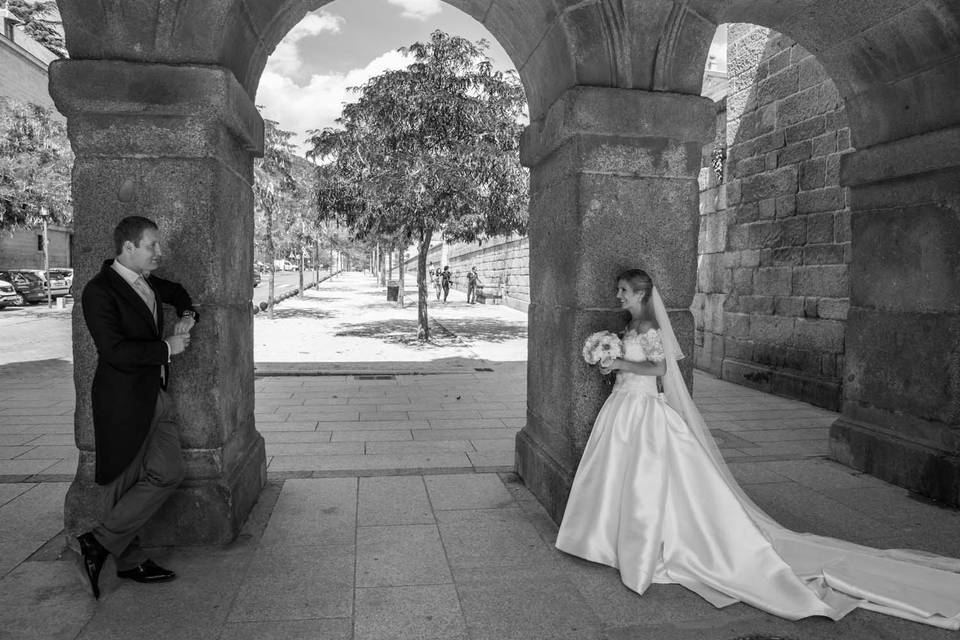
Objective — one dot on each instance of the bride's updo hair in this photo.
(639, 281)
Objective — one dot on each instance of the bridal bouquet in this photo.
(603, 347)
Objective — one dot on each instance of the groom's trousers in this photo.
(130, 499)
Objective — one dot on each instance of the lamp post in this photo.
(46, 254)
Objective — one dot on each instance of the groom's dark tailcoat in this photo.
(131, 353)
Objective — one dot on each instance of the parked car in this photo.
(9, 296)
(27, 284)
(283, 265)
(63, 273)
(58, 285)
(256, 277)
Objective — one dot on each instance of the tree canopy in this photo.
(35, 165)
(432, 148)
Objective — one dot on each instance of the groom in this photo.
(138, 458)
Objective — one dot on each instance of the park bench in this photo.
(488, 297)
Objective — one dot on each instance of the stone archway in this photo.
(158, 101)
(896, 70)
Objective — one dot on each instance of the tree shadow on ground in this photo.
(403, 332)
(311, 295)
(279, 313)
(486, 329)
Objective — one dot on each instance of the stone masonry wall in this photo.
(503, 264)
(775, 238)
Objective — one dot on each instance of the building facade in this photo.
(23, 66)
(23, 77)
(23, 249)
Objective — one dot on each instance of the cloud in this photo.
(285, 59)
(319, 102)
(417, 9)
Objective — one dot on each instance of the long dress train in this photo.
(653, 498)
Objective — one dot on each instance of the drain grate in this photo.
(375, 376)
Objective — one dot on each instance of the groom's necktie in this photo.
(146, 293)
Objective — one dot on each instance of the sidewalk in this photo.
(381, 517)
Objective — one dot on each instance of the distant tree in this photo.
(35, 165)
(41, 21)
(432, 148)
(275, 192)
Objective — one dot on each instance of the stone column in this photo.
(613, 186)
(901, 409)
(175, 144)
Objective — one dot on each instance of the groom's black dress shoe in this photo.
(148, 571)
(94, 555)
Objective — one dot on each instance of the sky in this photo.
(345, 43)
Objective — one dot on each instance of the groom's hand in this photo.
(184, 325)
(178, 343)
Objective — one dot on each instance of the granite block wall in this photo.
(773, 292)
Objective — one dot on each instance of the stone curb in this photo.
(300, 475)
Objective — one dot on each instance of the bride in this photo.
(653, 497)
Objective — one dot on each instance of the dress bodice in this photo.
(639, 347)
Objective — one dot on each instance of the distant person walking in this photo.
(473, 281)
(435, 280)
(445, 279)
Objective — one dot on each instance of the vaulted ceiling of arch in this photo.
(896, 62)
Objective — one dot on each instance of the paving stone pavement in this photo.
(390, 509)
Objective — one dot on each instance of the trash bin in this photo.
(393, 291)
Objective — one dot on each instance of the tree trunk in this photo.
(303, 250)
(381, 274)
(423, 323)
(268, 210)
(400, 258)
(300, 295)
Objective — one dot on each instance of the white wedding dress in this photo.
(653, 497)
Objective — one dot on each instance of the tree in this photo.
(274, 191)
(432, 148)
(41, 21)
(35, 165)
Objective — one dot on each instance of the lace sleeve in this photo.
(653, 347)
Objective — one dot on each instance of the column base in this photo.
(914, 466)
(819, 391)
(201, 511)
(543, 475)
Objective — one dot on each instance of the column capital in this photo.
(624, 115)
(137, 95)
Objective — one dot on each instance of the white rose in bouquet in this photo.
(602, 347)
